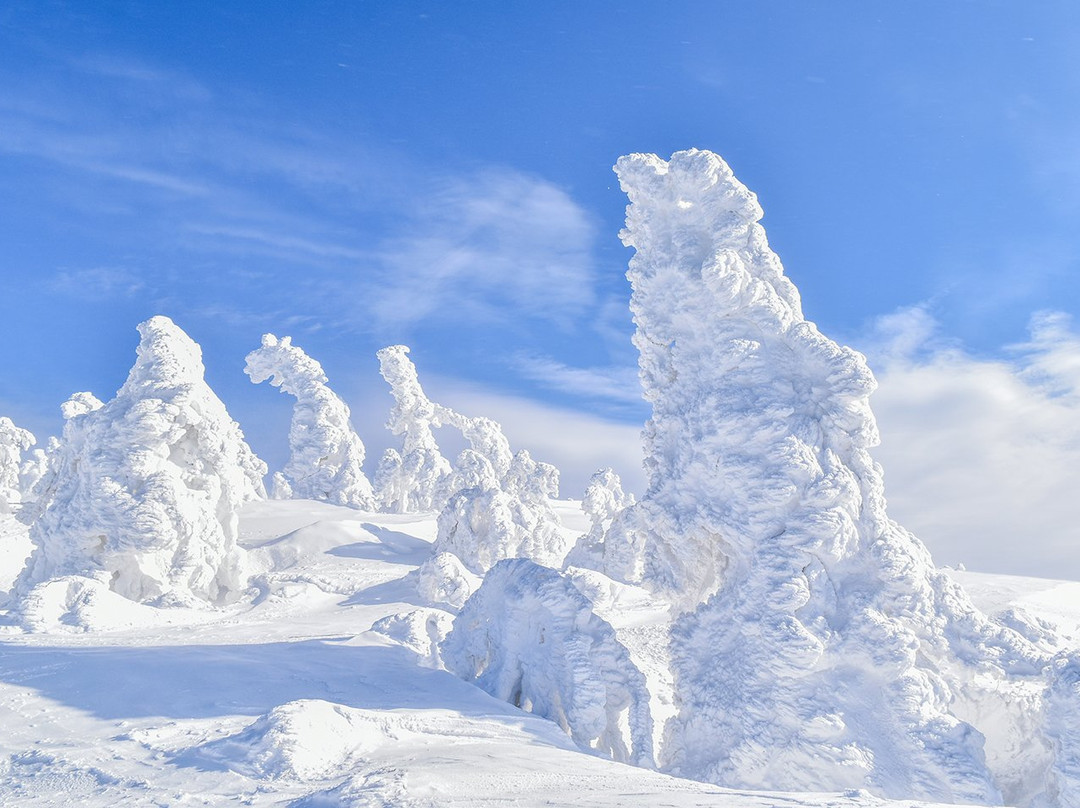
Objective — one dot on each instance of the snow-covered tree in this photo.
(326, 455)
(819, 647)
(603, 501)
(145, 489)
(412, 479)
(14, 441)
(1062, 716)
(529, 637)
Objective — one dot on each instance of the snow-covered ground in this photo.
(289, 698)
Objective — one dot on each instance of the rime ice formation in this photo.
(326, 455)
(819, 648)
(604, 500)
(486, 521)
(144, 491)
(412, 479)
(528, 636)
(493, 503)
(1063, 731)
(14, 441)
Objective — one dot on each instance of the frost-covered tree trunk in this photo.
(145, 489)
(819, 647)
(326, 455)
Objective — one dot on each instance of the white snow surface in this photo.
(818, 646)
(288, 699)
(144, 490)
(326, 455)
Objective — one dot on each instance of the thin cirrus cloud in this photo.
(492, 246)
(383, 243)
(980, 454)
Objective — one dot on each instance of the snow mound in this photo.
(529, 637)
(75, 604)
(302, 740)
(145, 488)
(14, 441)
(444, 581)
(421, 631)
(327, 456)
(818, 647)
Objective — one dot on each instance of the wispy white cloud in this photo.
(96, 283)
(616, 384)
(494, 246)
(980, 455)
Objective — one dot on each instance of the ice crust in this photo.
(326, 455)
(817, 646)
(145, 489)
(529, 637)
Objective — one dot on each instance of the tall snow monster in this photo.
(817, 647)
(143, 491)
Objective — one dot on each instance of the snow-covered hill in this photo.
(295, 700)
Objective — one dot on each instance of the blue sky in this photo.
(357, 174)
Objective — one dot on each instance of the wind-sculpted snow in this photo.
(14, 442)
(529, 637)
(326, 455)
(818, 648)
(145, 489)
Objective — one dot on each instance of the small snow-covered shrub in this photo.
(529, 637)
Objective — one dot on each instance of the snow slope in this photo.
(289, 699)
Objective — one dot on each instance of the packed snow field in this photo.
(754, 631)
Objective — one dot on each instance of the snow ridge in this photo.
(326, 455)
(818, 648)
(144, 491)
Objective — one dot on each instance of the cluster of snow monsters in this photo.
(813, 644)
(809, 643)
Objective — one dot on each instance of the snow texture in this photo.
(145, 489)
(326, 455)
(444, 581)
(493, 503)
(1063, 732)
(529, 637)
(14, 442)
(818, 647)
